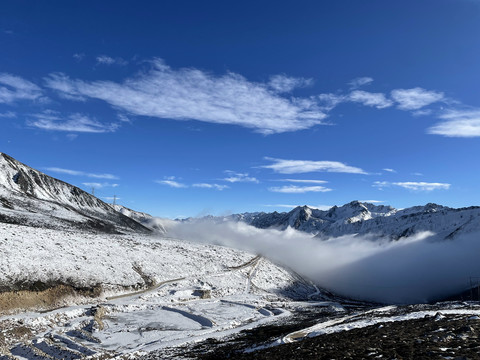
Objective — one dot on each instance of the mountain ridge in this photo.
(30, 197)
(357, 218)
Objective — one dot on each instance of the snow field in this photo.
(193, 291)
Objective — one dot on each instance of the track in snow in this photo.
(81, 336)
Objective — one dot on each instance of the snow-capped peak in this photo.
(366, 218)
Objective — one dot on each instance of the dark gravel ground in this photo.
(449, 338)
(432, 337)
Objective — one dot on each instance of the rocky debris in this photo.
(438, 336)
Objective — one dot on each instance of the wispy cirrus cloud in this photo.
(360, 81)
(14, 88)
(303, 181)
(81, 173)
(192, 94)
(283, 166)
(52, 121)
(413, 185)
(415, 98)
(365, 98)
(108, 60)
(234, 177)
(78, 56)
(172, 183)
(329, 101)
(285, 84)
(211, 186)
(293, 189)
(458, 123)
(8, 115)
(390, 170)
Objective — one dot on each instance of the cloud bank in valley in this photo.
(417, 269)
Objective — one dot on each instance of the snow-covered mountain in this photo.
(30, 197)
(365, 218)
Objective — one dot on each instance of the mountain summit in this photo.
(357, 218)
(30, 197)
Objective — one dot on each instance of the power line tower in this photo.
(93, 191)
(114, 200)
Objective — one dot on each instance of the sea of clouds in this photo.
(416, 269)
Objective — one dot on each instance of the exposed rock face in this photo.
(30, 197)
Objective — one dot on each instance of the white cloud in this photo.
(377, 100)
(99, 185)
(293, 189)
(191, 94)
(78, 56)
(423, 112)
(416, 98)
(8, 115)
(305, 166)
(107, 60)
(81, 173)
(211, 186)
(239, 177)
(70, 123)
(304, 181)
(171, 183)
(13, 88)
(285, 84)
(413, 185)
(330, 101)
(372, 201)
(458, 123)
(123, 118)
(389, 170)
(360, 81)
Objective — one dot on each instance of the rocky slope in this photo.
(30, 197)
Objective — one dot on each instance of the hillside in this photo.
(30, 197)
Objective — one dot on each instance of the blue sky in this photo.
(187, 108)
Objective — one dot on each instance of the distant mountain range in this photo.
(29, 197)
(359, 218)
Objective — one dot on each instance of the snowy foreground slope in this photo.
(29, 197)
(148, 292)
(367, 219)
